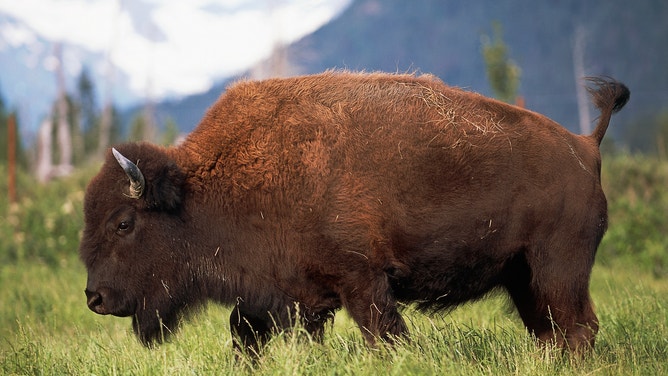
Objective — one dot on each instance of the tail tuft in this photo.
(609, 96)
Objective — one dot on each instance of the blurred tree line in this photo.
(91, 129)
(77, 130)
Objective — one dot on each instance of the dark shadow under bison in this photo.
(296, 197)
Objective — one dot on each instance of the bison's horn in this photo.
(137, 181)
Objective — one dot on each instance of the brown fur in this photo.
(296, 197)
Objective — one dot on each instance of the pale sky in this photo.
(177, 47)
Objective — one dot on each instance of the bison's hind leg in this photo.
(552, 298)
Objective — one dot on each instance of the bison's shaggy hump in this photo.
(345, 111)
(296, 197)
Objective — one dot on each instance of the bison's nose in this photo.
(95, 302)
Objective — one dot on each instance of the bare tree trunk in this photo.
(104, 139)
(581, 92)
(105, 129)
(44, 144)
(64, 135)
(150, 127)
(275, 65)
(278, 63)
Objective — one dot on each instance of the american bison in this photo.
(296, 197)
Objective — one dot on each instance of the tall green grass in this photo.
(45, 327)
(45, 224)
(637, 191)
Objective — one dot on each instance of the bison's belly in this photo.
(446, 281)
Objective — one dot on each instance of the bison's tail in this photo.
(609, 96)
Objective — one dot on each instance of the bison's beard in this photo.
(155, 325)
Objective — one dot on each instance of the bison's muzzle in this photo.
(102, 303)
(96, 302)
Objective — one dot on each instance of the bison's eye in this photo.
(121, 221)
(124, 227)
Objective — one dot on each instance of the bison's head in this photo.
(133, 243)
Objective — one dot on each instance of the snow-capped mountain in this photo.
(141, 49)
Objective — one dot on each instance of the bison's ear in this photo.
(164, 190)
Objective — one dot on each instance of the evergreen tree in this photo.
(502, 72)
(74, 121)
(88, 112)
(170, 134)
(137, 128)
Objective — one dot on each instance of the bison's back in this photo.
(401, 127)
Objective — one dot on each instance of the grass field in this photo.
(46, 328)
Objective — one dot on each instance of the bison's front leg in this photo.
(249, 333)
(373, 307)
